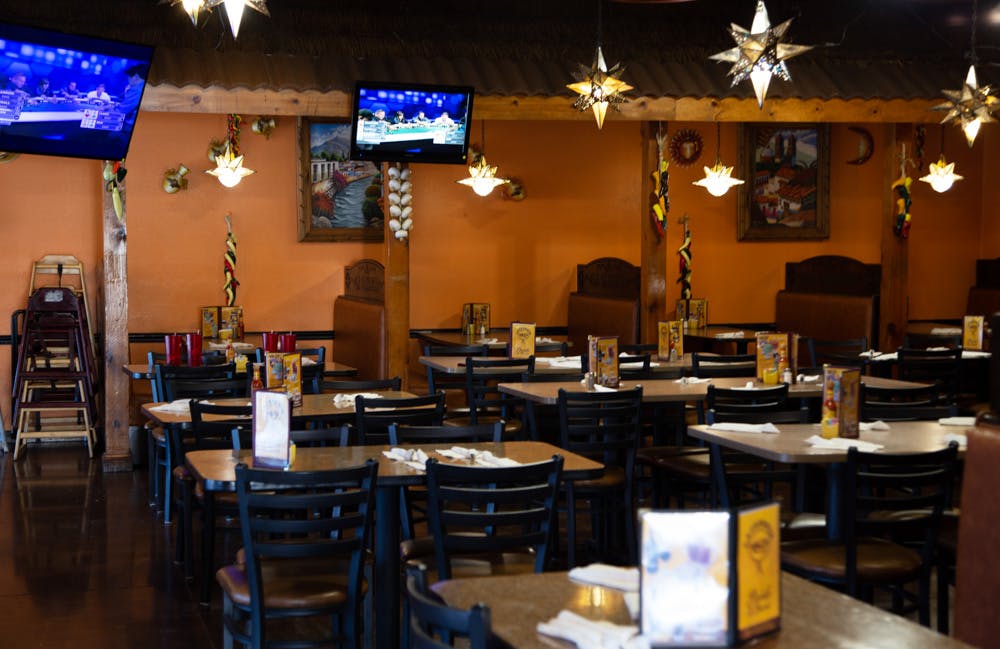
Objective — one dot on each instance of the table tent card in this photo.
(841, 402)
(522, 339)
(272, 422)
(210, 322)
(476, 318)
(602, 358)
(776, 352)
(292, 377)
(972, 331)
(709, 578)
(670, 340)
(274, 371)
(231, 317)
(693, 312)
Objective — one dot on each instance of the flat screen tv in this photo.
(408, 122)
(69, 95)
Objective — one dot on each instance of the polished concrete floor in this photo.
(85, 563)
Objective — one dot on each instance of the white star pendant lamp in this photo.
(229, 169)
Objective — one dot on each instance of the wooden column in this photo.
(654, 257)
(893, 308)
(116, 382)
(397, 299)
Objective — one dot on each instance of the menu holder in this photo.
(670, 340)
(603, 359)
(841, 407)
(272, 424)
(522, 339)
(210, 322)
(231, 317)
(972, 331)
(710, 578)
(292, 378)
(274, 371)
(776, 352)
(476, 318)
(698, 313)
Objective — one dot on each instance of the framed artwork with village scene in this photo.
(339, 199)
(787, 189)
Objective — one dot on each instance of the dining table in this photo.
(215, 471)
(496, 340)
(561, 365)
(812, 616)
(145, 371)
(720, 338)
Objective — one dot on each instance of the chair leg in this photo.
(152, 486)
(943, 592)
(570, 528)
(227, 615)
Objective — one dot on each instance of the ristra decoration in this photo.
(229, 263)
(659, 198)
(760, 53)
(684, 254)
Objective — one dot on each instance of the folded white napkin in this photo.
(955, 437)
(307, 361)
(878, 356)
(957, 421)
(561, 362)
(591, 634)
(482, 458)
(179, 406)
(749, 386)
(411, 457)
(975, 353)
(487, 341)
(602, 574)
(691, 379)
(808, 378)
(946, 331)
(736, 427)
(636, 365)
(873, 425)
(603, 388)
(729, 334)
(346, 399)
(842, 444)
(543, 339)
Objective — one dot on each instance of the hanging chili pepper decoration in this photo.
(229, 264)
(684, 252)
(659, 198)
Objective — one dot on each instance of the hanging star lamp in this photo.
(482, 176)
(941, 174)
(598, 85)
(234, 11)
(229, 167)
(760, 53)
(191, 7)
(971, 105)
(718, 178)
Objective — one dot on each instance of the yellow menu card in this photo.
(758, 570)
(603, 359)
(292, 379)
(522, 339)
(841, 407)
(670, 340)
(972, 331)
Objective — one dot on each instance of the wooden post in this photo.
(116, 382)
(893, 312)
(654, 257)
(397, 300)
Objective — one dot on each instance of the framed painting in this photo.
(339, 199)
(787, 191)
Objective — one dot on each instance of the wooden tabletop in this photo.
(661, 390)
(145, 371)
(812, 616)
(789, 445)
(544, 365)
(217, 469)
(314, 406)
(495, 339)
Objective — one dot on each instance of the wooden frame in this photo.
(339, 199)
(785, 197)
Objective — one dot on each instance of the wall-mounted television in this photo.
(69, 95)
(410, 122)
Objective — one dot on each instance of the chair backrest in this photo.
(317, 354)
(323, 517)
(433, 624)
(399, 434)
(878, 487)
(928, 340)
(438, 380)
(312, 377)
(977, 567)
(634, 366)
(718, 365)
(760, 405)
(481, 510)
(168, 376)
(604, 426)
(835, 352)
(483, 375)
(940, 367)
(373, 416)
(212, 426)
(320, 436)
(553, 347)
(904, 404)
(395, 383)
(550, 377)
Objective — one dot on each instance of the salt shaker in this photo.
(786, 376)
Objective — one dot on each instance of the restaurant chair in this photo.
(846, 352)
(452, 384)
(432, 624)
(486, 402)
(929, 340)
(903, 404)
(542, 420)
(413, 508)
(939, 367)
(978, 566)
(312, 378)
(213, 426)
(639, 348)
(316, 354)
(603, 426)
(356, 385)
(882, 498)
(554, 347)
(372, 417)
(634, 366)
(306, 539)
(322, 436)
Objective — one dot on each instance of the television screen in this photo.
(69, 95)
(411, 122)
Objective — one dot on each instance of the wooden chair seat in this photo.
(511, 428)
(294, 584)
(613, 477)
(486, 564)
(879, 560)
(692, 462)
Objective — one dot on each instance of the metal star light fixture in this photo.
(760, 53)
(718, 178)
(234, 9)
(598, 85)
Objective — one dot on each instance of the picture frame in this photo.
(787, 194)
(339, 199)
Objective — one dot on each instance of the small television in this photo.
(69, 95)
(410, 122)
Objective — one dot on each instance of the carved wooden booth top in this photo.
(833, 274)
(365, 280)
(609, 277)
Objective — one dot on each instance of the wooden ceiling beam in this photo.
(217, 100)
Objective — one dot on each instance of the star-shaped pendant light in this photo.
(599, 87)
(970, 106)
(942, 175)
(191, 7)
(760, 53)
(482, 175)
(234, 9)
(718, 178)
(229, 167)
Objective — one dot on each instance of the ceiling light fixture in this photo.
(941, 174)
(598, 85)
(759, 53)
(971, 105)
(718, 178)
(482, 176)
(229, 169)
(234, 10)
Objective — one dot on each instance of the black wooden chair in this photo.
(485, 400)
(433, 624)
(451, 384)
(306, 536)
(356, 385)
(373, 416)
(846, 352)
(939, 367)
(904, 404)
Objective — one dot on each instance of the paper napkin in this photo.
(691, 379)
(179, 406)
(842, 444)
(955, 437)
(346, 399)
(873, 425)
(411, 457)
(737, 427)
(957, 421)
(482, 458)
(602, 574)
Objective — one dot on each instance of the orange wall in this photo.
(585, 198)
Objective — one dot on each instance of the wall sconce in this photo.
(174, 180)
